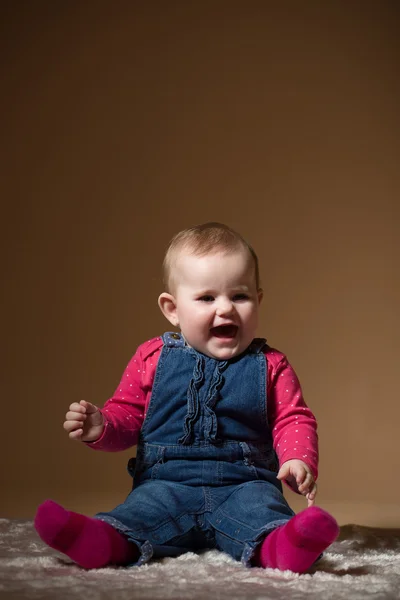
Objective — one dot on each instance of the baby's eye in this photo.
(239, 297)
(206, 298)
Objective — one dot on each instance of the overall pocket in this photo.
(262, 461)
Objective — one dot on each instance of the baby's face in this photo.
(217, 302)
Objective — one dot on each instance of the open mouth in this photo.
(224, 331)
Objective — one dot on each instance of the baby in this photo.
(219, 420)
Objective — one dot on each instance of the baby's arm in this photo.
(116, 426)
(294, 428)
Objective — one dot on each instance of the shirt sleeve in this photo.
(293, 425)
(124, 412)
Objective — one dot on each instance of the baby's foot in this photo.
(89, 542)
(297, 544)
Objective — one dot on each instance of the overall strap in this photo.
(257, 345)
(172, 339)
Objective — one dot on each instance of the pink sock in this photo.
(89, 542)
(296, 545)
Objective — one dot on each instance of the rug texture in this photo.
(364, 563)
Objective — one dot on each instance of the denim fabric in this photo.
(205, 471)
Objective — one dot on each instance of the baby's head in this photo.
(212, 289)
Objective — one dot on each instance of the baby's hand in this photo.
(299, 476)
(84, 422)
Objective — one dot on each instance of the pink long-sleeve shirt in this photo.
(293, 425)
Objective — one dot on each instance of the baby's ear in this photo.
(167, 304)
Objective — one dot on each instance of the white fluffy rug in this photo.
(364, 563)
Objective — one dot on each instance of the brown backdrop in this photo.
(123, 122)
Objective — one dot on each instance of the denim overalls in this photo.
(205, 471)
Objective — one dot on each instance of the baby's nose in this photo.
(224, 307)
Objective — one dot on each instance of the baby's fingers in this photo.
(306, 484)
(73, 424)
(75, 416)
(74, 429)
(311, 495)
(77, 407)
(88, 407)
(76, 434)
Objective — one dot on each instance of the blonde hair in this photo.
(203, 239)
